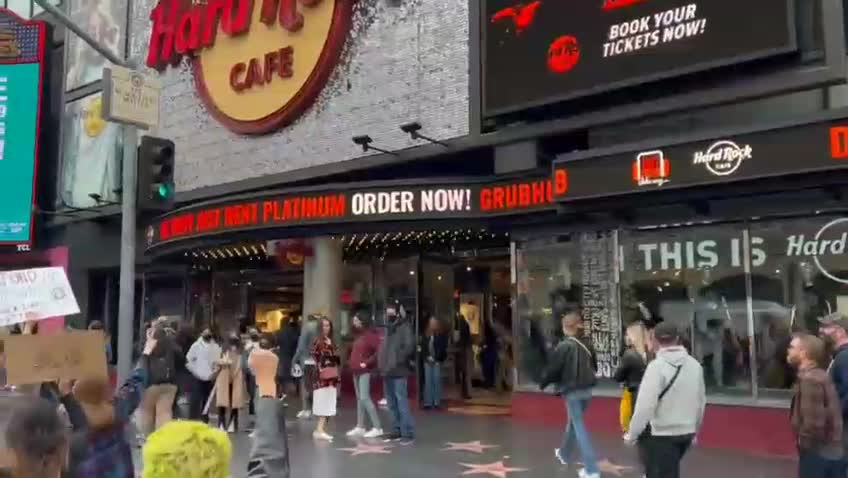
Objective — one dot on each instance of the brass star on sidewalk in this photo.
(365, 449)
(497, 469)
(472, 446)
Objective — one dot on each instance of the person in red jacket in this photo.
(363, 362)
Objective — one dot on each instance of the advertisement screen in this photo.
(21, 57)
(105, 21)
(543, 51)
(808, 148)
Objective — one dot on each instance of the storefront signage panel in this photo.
(545, 51)
(258, 64)
(797, 149)
(21, 69)
(350, 205)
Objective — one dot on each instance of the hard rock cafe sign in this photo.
(258, 64)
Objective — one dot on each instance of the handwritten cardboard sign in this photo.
(45, 358)
(35, 294)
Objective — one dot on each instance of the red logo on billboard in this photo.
(651, 168)
(839, 142)
(563, 54)
(522, 15)
(615, 4)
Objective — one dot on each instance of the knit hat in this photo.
(186, 449)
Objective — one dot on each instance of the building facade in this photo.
(493, 163)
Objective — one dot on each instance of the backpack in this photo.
(162, 368)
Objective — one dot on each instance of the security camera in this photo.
(411, 128)
(363, 141)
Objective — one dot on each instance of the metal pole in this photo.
(70, 25)
(126, 304)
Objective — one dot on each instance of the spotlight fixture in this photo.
(412, 129)
(365, 141)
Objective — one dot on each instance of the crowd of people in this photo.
(663, 404)
(78, 429)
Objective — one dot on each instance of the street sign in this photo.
(130, 97)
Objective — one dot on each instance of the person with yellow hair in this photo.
(187, 449)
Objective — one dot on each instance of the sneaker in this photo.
(407, 441)
(358, 431)
(322, 436)
(300, 413)
(383, 403)
(231, 428)
(306, 415)
(374, 433)
(390, 437)
(584, 474)
(558, 455)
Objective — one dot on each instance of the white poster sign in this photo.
(35, 294)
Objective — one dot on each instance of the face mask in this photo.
(207, 338)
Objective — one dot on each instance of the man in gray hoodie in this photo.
(672, 399)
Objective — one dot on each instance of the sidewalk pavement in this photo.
(459, 445)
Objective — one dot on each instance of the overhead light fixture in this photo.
(365, 142)
(412, 129)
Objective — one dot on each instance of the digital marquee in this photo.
(350, 204)
(545, 51)
(807, 148)
(22, 46)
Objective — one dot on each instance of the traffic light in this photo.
(155, 174)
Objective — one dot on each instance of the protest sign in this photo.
(35, 294)
(45, 358)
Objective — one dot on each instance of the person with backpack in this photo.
(572, 368)
(157, 406)
(672, 399)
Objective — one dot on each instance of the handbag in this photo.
(625, 411)
(328, 373)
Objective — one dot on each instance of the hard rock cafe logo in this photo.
(723, 158)
(258, 64)
(830, 240)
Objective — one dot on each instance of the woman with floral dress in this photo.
(326, 392)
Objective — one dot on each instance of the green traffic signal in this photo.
(165, 191)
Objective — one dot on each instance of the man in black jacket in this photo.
(571, 369)
(395, 361)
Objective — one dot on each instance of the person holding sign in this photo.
(101, 449)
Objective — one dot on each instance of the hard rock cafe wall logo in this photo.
(258, 64)
(724, 157)
(829, 242)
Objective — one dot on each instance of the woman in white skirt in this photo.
(326, 392)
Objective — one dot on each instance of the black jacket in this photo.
(167, 353)
(630, 370)
(464, 335)
(397, 351)
(286, 346)
(571, 366)
(440, 347)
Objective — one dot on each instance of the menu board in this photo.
(599, 299)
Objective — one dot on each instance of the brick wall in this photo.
(404, 61)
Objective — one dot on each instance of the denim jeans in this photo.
(576, 404)
(364, 404)
(432, 384)
(812, 464)
(397, 397)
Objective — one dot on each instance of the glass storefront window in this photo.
(693, 277)
(799, 274)
(396, 280)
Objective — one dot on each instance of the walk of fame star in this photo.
(497, 469)
(472, 446)
(365, 449)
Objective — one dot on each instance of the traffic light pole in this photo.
(126, 302)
